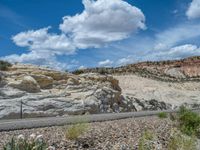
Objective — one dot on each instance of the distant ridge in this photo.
(187, 69)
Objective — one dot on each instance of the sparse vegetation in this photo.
(184, 137)
(102, 71)
(75, 130)
(4, 65)
(144, 142)
(179, 141)
(172, 116)
(22, 143)
(77, 72)
(189, 122)
(162, 115)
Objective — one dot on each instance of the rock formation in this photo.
(46, 92)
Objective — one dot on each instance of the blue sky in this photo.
(98, 32)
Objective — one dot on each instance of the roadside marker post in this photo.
(21, 110)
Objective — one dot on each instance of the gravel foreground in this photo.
(110, 135)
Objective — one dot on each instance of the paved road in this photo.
(7, 125)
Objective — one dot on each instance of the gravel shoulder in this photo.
(108, 135)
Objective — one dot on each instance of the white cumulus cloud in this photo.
(175, 35)
(105, 63)
(177, 52)
(193, 11)
(125, 61)
(103, 21)
(42, 41)
(82, 67)
(184, 50)
(33, 57)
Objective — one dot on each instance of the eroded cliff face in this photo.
(45, 92)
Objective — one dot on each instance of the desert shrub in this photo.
(4, 65)
(179, 141)
(148, 135)
(189, 122)
(102, 71)
(162, 115)
(74, 131)
(172, 116)
(77, 72)
(22, 143)
(145, 141)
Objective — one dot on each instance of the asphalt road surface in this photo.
(17, 124)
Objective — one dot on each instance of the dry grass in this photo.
(74, 131)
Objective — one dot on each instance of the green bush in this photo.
(77, 72)
(179, 141)
(189, 121)
(22, 143)
(4, 65)
(162, 115)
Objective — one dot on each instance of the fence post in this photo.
(21, 110)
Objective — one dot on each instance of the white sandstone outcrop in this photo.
(46, 92)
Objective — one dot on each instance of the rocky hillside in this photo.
(176, 70)
(46, 92)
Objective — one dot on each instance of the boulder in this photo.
(54, 74)
(45, 82)
(175, 72)
(26, 83)
(72, 81)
